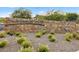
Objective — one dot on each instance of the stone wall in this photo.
(51, 26)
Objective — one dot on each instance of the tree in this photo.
(40, 17)
(55, 16)
(71, 17)
(21, 13)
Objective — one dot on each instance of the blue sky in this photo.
(6, 11)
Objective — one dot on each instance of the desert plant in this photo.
(52, 33)
(18, 34)
(26, 44)
(74, 35)
(67, 39)
(38, 34)
(21, 39)
(51, 37)
(43, 48)
(68, 36)
(2, 34)
(10, 33)
(3, 43)
(43, 32)
(25, 49)
(77, 37)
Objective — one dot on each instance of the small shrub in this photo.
(43, 48)
(2, 34)
(26, 49)
(3, 43)
(44, 32)
(18, 34)
(74, 35)
(10, 33)
(38, 34)
(52, 33)
(68, 36)
(51, 38)
(77, 37)
(67, 39)
(26, 44)
(21, 39)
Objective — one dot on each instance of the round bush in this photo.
(44, 32)
(43, 48)
(77, 37)
(26, 49)
(67, 39)
(74, 35)
(38, 34)
(10, 33)
(18, 34)
(52, 33)
(21, 40)
(3, 43)
(68, 36)
(51, 38)
(26, 44)
(2, 34)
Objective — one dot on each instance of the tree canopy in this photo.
(71, 16)
(21, 13)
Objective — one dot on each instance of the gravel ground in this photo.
(59, 46)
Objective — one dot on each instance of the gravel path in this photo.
(59, 46)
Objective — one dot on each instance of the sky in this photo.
(6, 11)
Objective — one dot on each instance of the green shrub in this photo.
(10, 33)
(26, 44)
(52, 33)
(74, 35)
(21, 40)
(67, 39)
(77, 37)
(43, 48)
(44, 32)
(51, 37)
(26, 49)
(18, 34)
(2, 34)
(3, 43)
(68, 36)
(38, 34)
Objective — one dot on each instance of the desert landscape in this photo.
(53, 31)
